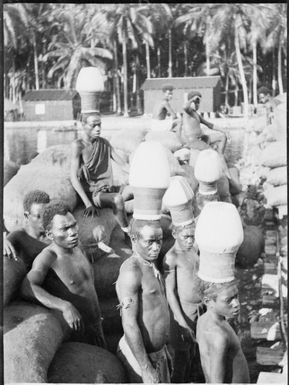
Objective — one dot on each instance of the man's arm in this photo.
(170, 109)
(32, 289)
(169, 268)
(218, 348)
(128, 286)
(75, 166)
(118, 159)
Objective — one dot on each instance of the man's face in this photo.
(64, 231)
(93, 127)
(185, 237)
(263, 98)
(195, 103)
(35, 217)
(168, 95)
(149, 242)
(227, 302)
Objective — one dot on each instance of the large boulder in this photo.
(274, 155)
(168, 139)
(13, 274)
(32, 335)
(10, 169)
(276, 196)
(251, 248)
(127, 139)
(277, 176)
(82, 363)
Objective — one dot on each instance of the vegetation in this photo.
(46, 44)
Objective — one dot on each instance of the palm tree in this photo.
(277, 36)
(132, 27)
(71, 48)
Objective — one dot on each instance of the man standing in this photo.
(91, 172)
(61, 278)
(165, 109)
(183, 286)
(144, 308)
(192, 133)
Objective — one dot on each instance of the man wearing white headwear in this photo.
(140, 289)
(219, 234)
(183, 286)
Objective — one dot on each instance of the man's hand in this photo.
(150, 375)
(8, 248)
(91, 210)
(72, 317)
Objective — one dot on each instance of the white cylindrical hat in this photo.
(89, 84)
(208, 167)
(178, 199)
(219, 234)
(150, 177)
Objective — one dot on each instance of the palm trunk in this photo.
(255, 101)
(274, 81)
(236, 94)
(227, 91)
(148, 60)
(125, 93)
(35, 62)
(116, 79)
(280, 81)
(241, 71)
(159, 61)
(186, 58)
(170, 69)
(208, 69)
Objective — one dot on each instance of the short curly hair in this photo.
(264, 90)
(34, 196)
(212, 289)
(54, 208)
(136, 225)
(178, 228)
(192, 94)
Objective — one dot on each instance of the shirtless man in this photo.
(62, 279)
(165, 109)
(144, 308)
(183, 289)
(222, 358)
(27, 243)
(91, 173)
(191, 131)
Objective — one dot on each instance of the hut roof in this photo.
(50, 94)
(187, 82)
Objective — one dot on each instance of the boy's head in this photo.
(168, 91)
(194, 97)
(263, 95)
(34, 203)
(60, 225)
(146, 237)
(92, 125)
(222, 298)
(184, 235)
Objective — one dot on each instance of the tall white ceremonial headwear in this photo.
(178, 199)
(149, 177)
(89, 84)
(219, 234)
(208, 167)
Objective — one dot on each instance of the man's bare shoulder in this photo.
(213, 332)
(130, 272)
(171, 257)
(77, 145)
(47, 257)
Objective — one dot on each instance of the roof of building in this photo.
(49, 94)
(187, 82)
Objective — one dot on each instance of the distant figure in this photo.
(265, 97)
(91, 172)
(191, 131)
(223, 360)
(144, 308)
(61, 278)
(27, 243)
(165, 109)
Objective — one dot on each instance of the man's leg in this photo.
(116, 203)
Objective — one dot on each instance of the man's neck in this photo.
(215, 316)
(33, 234)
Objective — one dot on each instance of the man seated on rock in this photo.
(27, 243)
(223, 360)
(165, 109)
(184, 294)
(191, 131)
(61, 278)
(91, 172)
(144, 308)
